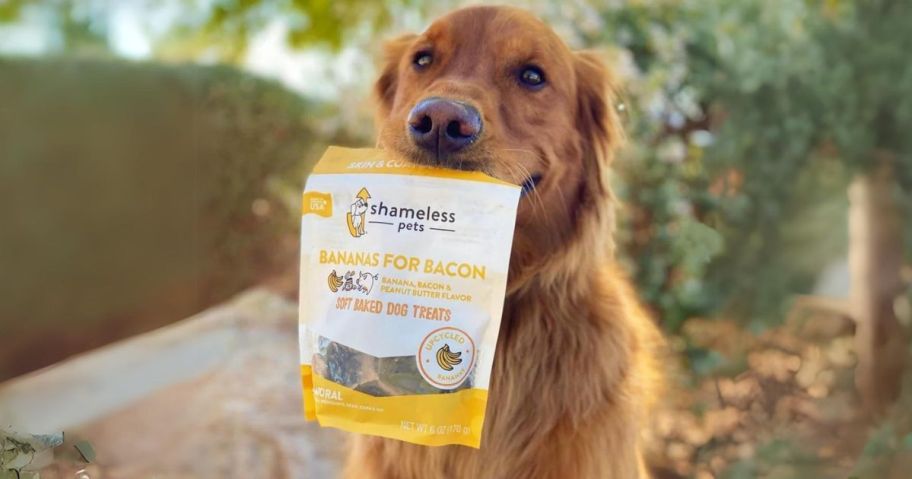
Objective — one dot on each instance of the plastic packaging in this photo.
(403, 276)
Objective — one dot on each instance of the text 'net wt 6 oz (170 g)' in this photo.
(403, 276)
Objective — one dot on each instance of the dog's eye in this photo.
(532, 77)
(422, 59)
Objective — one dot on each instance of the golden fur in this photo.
(574, 368)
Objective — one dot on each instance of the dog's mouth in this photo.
(468, 162)
(452, 161)
(529, 185)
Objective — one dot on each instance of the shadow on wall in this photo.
(134, 195)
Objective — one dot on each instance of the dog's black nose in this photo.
(443, 126)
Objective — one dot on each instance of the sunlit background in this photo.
(152, 153)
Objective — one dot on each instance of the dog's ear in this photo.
(597, 102)
(597, 115)
(385, 87)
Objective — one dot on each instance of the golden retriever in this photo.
(494, 89)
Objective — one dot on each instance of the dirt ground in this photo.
(244, 419)
(779, 404)
(739, 404)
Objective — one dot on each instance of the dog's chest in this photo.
(547, 361)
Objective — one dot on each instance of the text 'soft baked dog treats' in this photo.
(403, 275)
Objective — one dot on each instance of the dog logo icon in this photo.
(358, 214)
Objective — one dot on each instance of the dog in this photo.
(494, 89)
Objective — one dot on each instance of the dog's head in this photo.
(494, 89)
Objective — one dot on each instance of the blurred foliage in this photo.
(888, 450)
(225, 27)
(137, 194)
(775, 404)
(745, 118)
(311, 21)
(215, 29)
(73, 24)
(748, 119)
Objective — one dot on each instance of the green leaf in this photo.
(907, 441)
(85, 450)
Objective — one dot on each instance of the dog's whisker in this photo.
(514, 170)
(532, 191)
(538, 204)
(529, 152)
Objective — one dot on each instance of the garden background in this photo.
(152, 153)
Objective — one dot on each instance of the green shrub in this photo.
(127, 195)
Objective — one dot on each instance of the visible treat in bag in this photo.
(403, 276)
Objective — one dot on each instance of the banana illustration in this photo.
(334, 281)
(447, 359)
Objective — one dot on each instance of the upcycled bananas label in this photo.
(403, 275)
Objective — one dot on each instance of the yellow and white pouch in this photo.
(403, 276)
